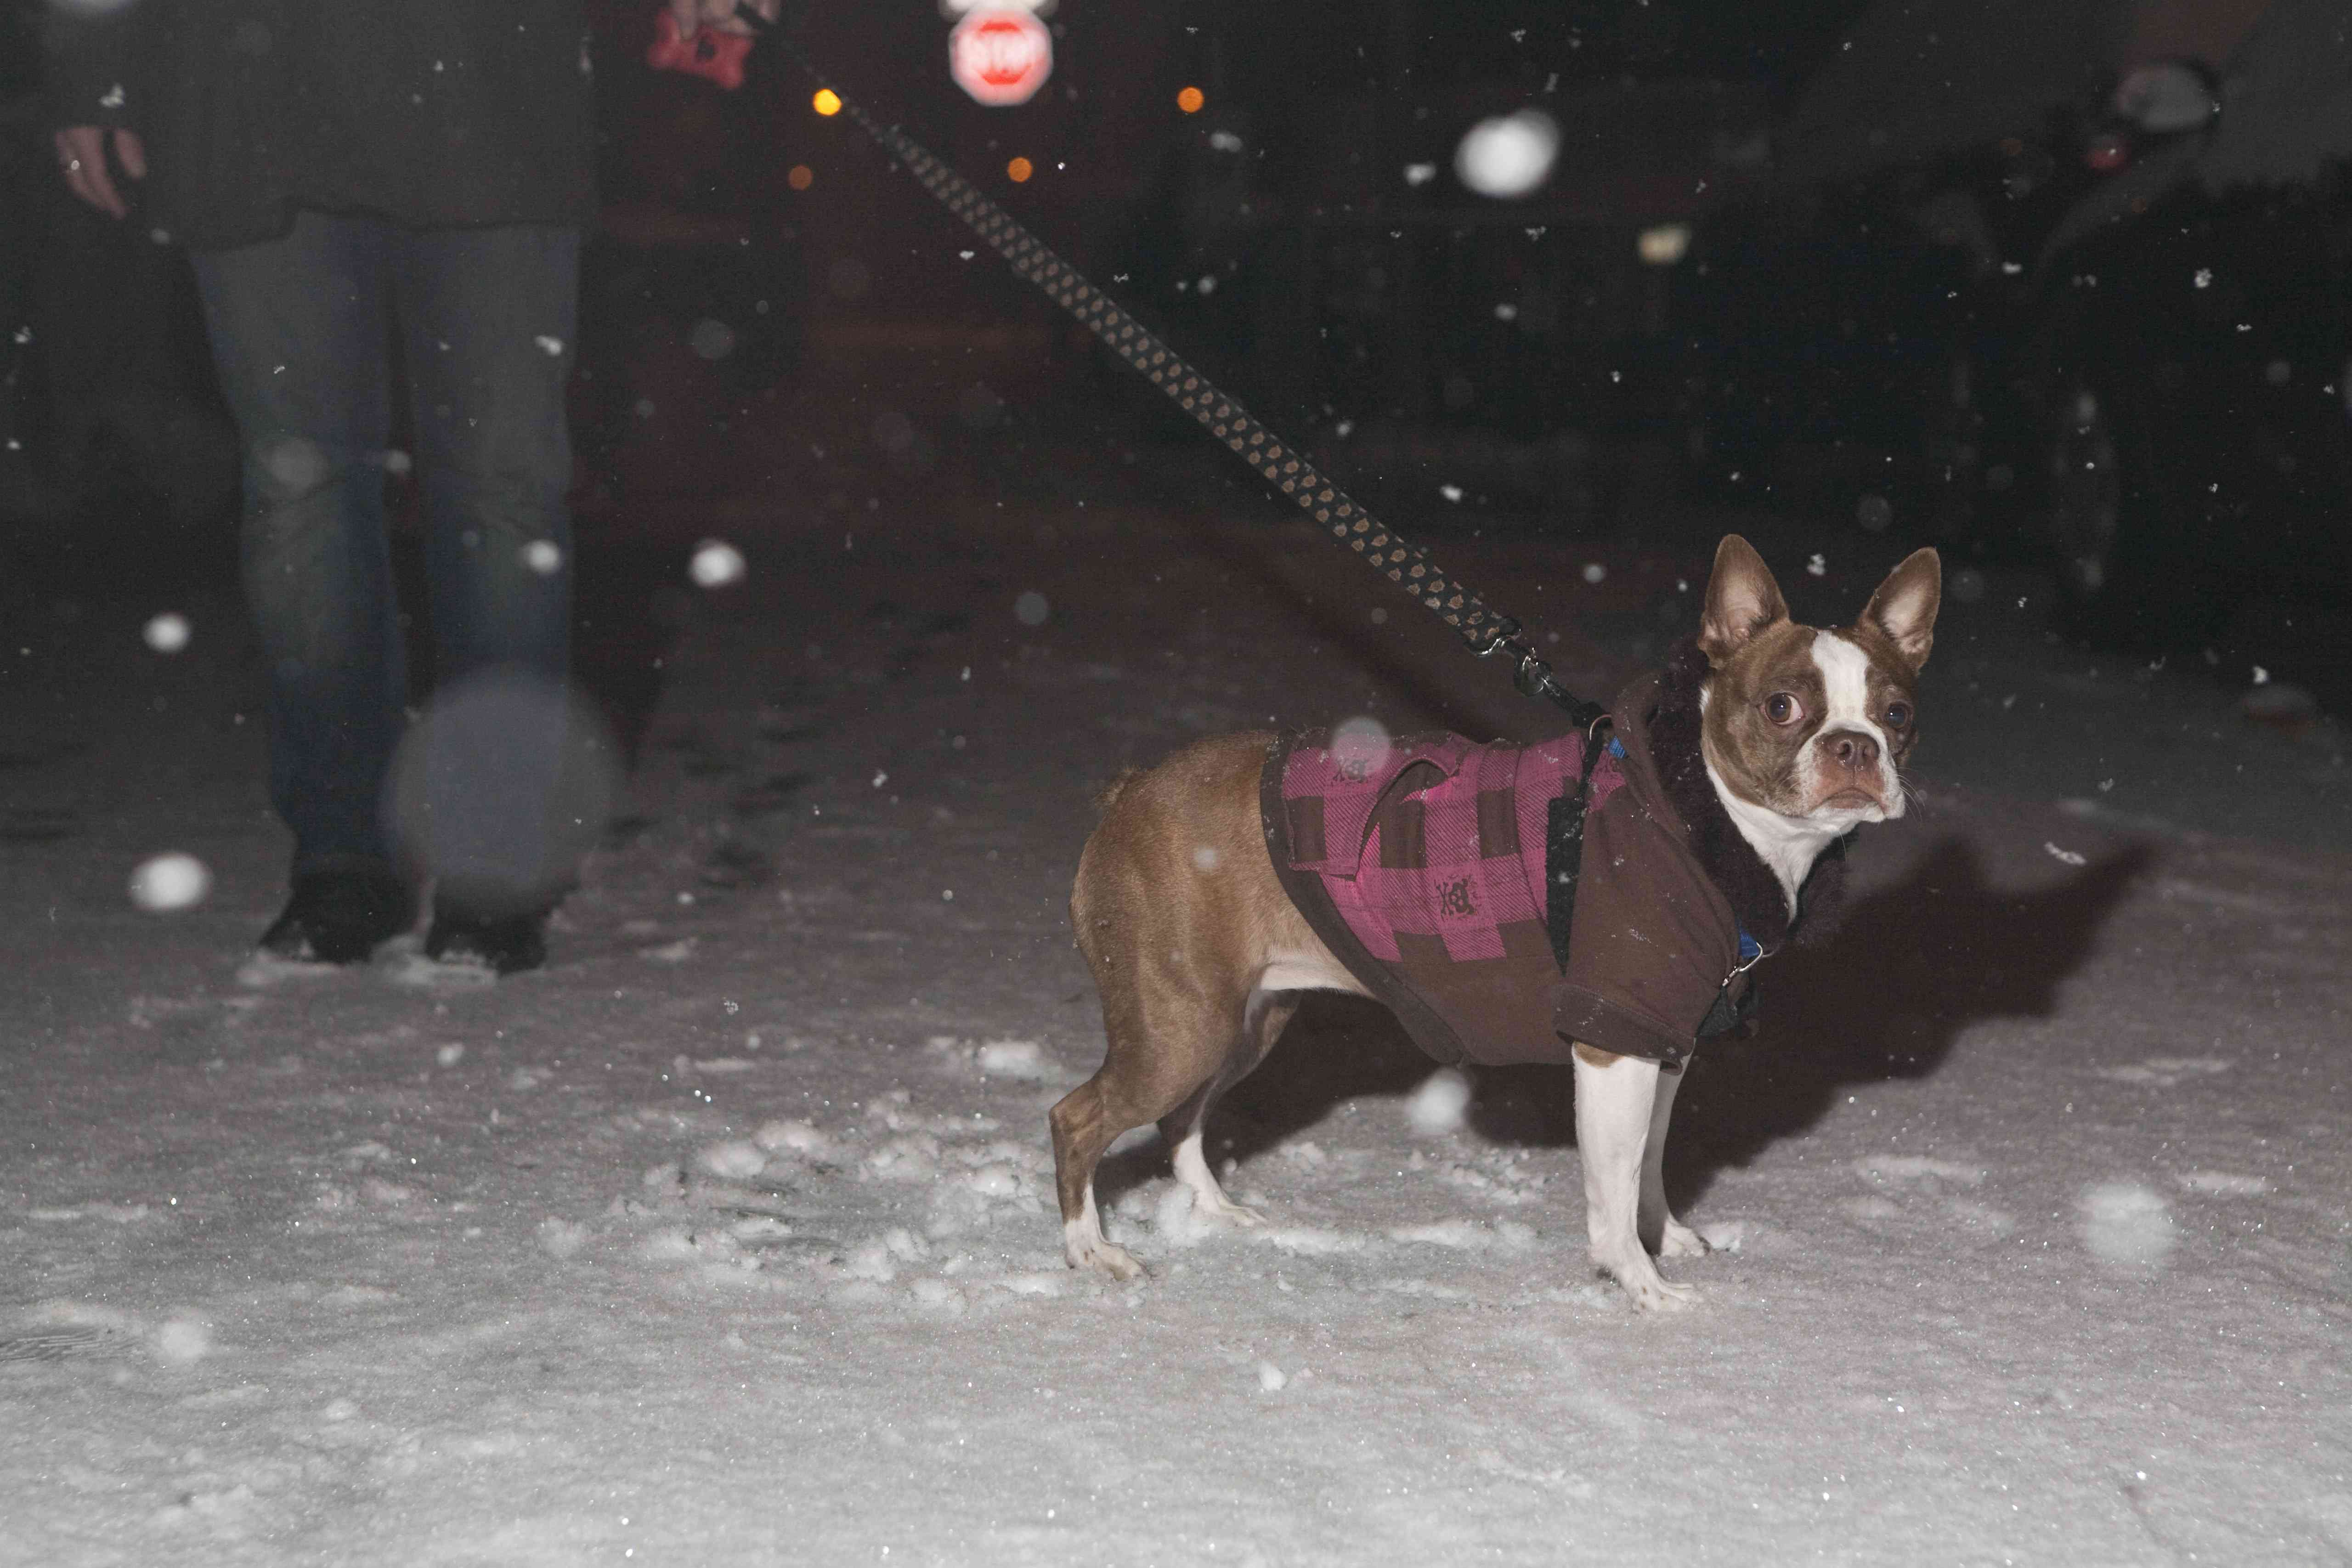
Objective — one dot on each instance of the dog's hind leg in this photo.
(1168, 1042)
(1615, 1098)
(1182, 1129)
(1661, 1232)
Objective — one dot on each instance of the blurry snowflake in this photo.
(716, 563)
(1360, 746)
(168, 882)
(1438, 1105)
(1508, 156)
(167, 633)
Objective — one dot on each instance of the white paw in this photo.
(1679, 1240)
(1651, 1292)
(1236, 1214)
(1115, 1261)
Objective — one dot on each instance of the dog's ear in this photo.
(1905, 604)
(1742, 599)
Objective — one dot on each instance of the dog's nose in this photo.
(1852, 748)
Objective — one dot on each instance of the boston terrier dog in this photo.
(1599, 899)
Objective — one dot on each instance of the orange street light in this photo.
(826, 102)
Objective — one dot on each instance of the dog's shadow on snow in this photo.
(1913, 964)
(1916, 962)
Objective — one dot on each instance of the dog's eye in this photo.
(1898, 715)
(1784, 709)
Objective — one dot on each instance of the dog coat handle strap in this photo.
(1277, 462)
(1564, 846)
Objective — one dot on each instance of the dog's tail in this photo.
(1108, 796)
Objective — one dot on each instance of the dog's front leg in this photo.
(1660, 1231)
(1614, 1096)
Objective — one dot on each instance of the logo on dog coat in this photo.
(1458, 897)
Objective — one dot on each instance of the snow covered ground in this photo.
(729, 1236)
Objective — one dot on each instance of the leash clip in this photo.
(1503, 636)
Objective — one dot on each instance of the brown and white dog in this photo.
(1201, 956)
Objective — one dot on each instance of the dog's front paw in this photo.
(1094, 1252)
(1679, 1240)
(1651, 1292)
(1660, 1295)
(1237, 1215)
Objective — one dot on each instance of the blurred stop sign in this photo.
(1001, 57)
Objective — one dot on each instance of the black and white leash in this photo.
(1277, 462)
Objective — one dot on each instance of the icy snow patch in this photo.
(183, 1340)
(1467, 1234)
(735, 1160)
(1917, 1168)
(799, 1138)
(938, 1296)
(2224, 1183)
(1177, 1221)
(1310, 1241)
(1012, 1058)
(2127, 1225)
(562, 1237)
(2164, 1072)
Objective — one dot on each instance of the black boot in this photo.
(501, 944)
(338, 916)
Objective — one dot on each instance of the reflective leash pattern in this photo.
(1279, 464)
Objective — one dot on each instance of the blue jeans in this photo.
(301, 330)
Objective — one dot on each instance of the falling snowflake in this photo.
(549, 345)
(167, 633)
(1450, 492)
(168, 882)
(1817, 566)
(716, 563)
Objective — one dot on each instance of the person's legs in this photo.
(297, 327)
(486, 317)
